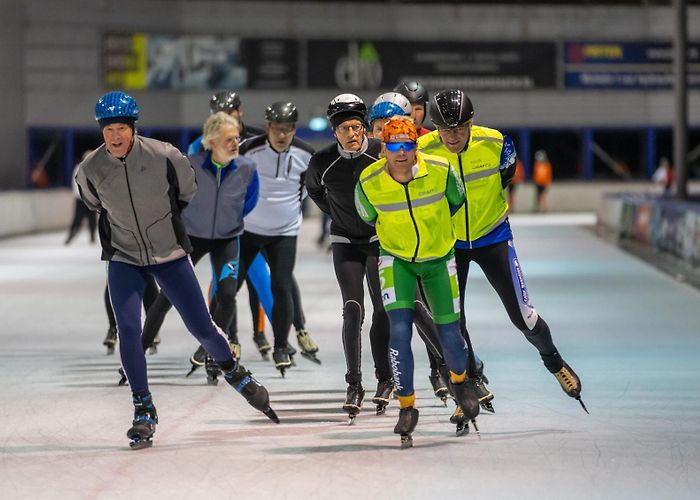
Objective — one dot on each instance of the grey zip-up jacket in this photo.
(139, 199)
(224, 196)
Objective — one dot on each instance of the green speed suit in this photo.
(413, 222)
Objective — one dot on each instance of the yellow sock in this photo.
(458, 379)
(407, 401)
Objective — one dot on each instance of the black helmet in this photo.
(345, 106)
(225, 101)
(451, 108)
(281, 112)
(415, 92)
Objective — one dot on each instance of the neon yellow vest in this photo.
(413, 220)
(477, 165)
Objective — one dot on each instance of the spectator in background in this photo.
(542, 177)
(663, 175)
(81, 212)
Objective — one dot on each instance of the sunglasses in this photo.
(395, 147)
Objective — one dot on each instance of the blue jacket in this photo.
(224, 196)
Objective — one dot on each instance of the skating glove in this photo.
(508, 159)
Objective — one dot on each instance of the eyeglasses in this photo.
(346, 129)
(395, 147)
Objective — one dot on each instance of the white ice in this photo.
(631, 333)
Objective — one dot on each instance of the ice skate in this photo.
(144, 425)
(253, 391)
(197, 360)
(122, 378)
(567, 378)
(282, 359)
(292, 352)
(385, 389)
(484, 394)
(467, 400)
(408, 418)
(110, 340)
(462, 423)
(308, 346)
(353, 401)
(439, 386)
(262, 344)
(153, 348)
(213, 370)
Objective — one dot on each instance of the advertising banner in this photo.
(357, 65)
(625, 65)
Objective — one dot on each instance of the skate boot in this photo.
(110, 340)
(292, 352)
(197, 360)
(262, 344)
(308, 346)
(467, 400)
(253, 391)
(213, 370)
(567, 378)
(385, 389)
(408, 418)
(353, 401)
(144, 425)
(153, 348)
(235, 349)
(282, 359)
(439, 386)
(483, 393)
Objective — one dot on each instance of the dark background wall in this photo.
(51, 57)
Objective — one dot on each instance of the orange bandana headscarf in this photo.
(399, 129)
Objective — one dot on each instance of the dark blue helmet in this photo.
(116, 105)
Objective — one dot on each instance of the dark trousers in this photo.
(280, 253)
(355, 263)
(127, 284)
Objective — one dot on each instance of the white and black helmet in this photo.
(344, 107)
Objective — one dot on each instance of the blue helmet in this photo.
(116, 105)
(388, 105)
(385, 110)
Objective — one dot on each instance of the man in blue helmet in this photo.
(139, 187)
(385, 106)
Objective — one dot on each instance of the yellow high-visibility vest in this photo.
(486, 207)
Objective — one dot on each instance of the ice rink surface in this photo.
(631, 333)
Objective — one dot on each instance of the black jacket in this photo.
(331, 180)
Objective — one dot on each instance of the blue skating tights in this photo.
(454, 349)
(179, 283)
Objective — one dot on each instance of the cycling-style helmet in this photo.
(388, 105)
(281, 112)
(344, 107)
(225, 101)
(415, 92)
(116, 105)
(451, 108)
